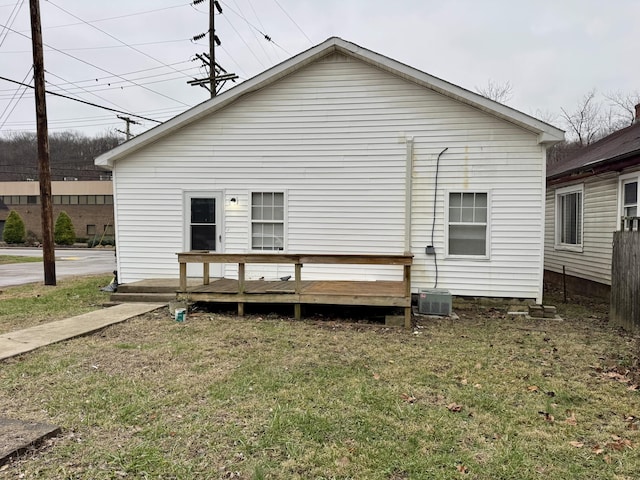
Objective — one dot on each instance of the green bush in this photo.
(14, 231)
(63, 232)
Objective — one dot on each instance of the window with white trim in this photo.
(569, 216)
(468, 215)
(267, 221)
(629, 201)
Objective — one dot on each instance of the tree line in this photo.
(71, 155)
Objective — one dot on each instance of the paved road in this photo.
(69, 262)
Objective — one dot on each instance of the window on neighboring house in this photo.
(91, 229)
(468, 220)
(629, 202)
(267, 221)
(630, 198)
(569, 216)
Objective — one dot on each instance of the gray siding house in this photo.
(589, 196)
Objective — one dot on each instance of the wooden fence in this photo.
(625, 280)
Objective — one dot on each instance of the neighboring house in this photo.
(341, 150)
(587, 196)
(88, 203)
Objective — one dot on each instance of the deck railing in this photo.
(298, 260)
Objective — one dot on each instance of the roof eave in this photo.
(607, 164)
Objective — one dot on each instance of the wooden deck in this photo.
(297, 291)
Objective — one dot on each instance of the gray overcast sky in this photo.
(551, 51)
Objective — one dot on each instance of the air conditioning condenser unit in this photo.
(434, 302)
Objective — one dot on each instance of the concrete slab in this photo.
(17, 436)
(22, 341)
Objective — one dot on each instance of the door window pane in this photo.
(203, 237)
(203, 210)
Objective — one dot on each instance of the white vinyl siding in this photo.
(332, 136)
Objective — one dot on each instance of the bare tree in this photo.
(624, 104)
(499, 92)
(585, 123)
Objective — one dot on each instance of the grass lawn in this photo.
(482, 397)
(7, 259)
(28, 305)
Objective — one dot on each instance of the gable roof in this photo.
(606, 153)
(547, 134)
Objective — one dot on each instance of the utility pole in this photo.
(44, 168)
(128, 121)
(212, 45)
(218, 76)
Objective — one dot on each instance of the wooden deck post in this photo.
(205, 273)
(297, 308)
(241, 287)
(406, 279)
(183, 277)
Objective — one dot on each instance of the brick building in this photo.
(88, 203)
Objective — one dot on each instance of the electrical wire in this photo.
(244, 41)
(12, 18)
(117, 17)
(268, 38)
(115, 38)
(433, 224)
(82, 88)
(294, 22)
(17, 101)
(129, 73)
(254, 34)
(102, 69)
(82, 101)
(105, 47)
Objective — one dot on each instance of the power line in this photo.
(294, 22)
(82, 101)
(82, 88)
(268, 38)
(12, 18)
(117, 17)
(254, 33)
(115, 38)
(107, 47)
(245, 42)
(14, 96)
(102, 69)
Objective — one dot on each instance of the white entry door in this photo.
(203, 228)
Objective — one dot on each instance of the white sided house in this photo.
(341, 150)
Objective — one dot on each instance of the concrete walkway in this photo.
(21, 341)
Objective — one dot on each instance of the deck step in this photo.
(133, 288)
(156, 297)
